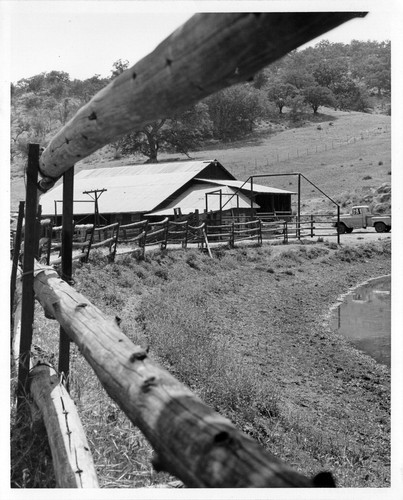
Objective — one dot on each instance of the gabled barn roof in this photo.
(130, 189)
(195, 198)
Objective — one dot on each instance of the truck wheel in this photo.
(341, 228)
(380, 227)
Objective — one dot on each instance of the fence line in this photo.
(278, 156)
(139, 235)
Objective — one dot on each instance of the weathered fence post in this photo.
(16, 254)
(28, 299)
(49, 243)
(165, 242)
(185, 242)
(204, 232)
(285, 231)
(115, 244)
(38, 229)
(67, 255)
(143, 240)
(299, 208)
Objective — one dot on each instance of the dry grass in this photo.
(31, 459)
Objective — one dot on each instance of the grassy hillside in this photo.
(342, 153)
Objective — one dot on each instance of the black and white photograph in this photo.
(197, 202)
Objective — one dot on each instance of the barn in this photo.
(134, 192)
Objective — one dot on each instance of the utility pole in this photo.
(95, 194)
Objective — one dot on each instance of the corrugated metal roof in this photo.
(194, 198)
(148, 169)
(135, 188)
(142, 188)
(257, 188)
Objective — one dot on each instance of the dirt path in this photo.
(358, 237)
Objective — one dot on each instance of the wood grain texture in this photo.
(72, 459)
(208, 53)
(191, 441)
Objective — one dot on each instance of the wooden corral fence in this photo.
(145, 233)
(136, 236)
(85, 237)
(191, 441)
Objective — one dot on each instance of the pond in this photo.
(364, 317)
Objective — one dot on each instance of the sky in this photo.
(84, 38)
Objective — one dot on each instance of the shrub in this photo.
(348, 254)
(288, 257)
(162, 273)
(192, 260)
(315, 252)
(331, 244)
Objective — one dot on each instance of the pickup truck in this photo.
(361, 217)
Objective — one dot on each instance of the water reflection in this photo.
(365, 318)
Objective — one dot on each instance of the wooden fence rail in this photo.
(71, 456)
(178, 232)
(192, 442)
(133, 232)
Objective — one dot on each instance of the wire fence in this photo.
(288, 152)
